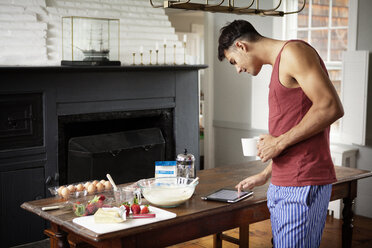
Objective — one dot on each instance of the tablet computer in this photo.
(227, 195)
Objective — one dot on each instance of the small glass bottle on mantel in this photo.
(185, 165)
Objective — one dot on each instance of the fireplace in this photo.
(125, 144)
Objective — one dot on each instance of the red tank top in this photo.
(309, 161)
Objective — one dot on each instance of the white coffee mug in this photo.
(250, 146)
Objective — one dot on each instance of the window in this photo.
(324, 25)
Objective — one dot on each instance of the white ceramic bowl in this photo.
(167, 191)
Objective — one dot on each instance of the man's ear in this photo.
(241, 45)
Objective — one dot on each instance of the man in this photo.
(302, 105)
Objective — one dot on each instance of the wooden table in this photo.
(196, 218)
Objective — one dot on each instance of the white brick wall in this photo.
(22, 35)
(31, 30)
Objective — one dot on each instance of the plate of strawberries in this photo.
(136, 211)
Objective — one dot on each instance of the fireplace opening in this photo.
(124, 124)
(127, 156)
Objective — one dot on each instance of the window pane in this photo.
(320, 15)
(335, 76)
(340, 13)
(303, 16)
(302, 35)
(338, 43)
(342, 3)
(319, 40)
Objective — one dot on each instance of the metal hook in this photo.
(156, 6)
(299, 10)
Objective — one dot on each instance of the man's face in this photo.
(243, 60)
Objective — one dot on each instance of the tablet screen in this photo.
(228, 195)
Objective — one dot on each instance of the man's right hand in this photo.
(255, 180)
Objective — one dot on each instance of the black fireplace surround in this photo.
(45, 108)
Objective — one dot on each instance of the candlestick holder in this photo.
(174, 53)
(157, 56)
(165, 54)
(184, 52)
(134, 58)
(150, 57)
(141, 58)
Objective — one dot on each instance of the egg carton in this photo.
(81, 189)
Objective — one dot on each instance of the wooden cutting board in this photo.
(99, 228)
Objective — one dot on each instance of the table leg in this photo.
(347, 226)
(244, 236)
(58, 238)
(217, 240)
(243, 240)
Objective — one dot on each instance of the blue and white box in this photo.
(165, 168)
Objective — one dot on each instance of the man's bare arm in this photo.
(255, 180)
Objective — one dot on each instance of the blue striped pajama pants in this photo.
(298, 214)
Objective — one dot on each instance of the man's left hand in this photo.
(268, 147)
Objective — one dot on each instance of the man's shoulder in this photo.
(297, 47)
(298, 54)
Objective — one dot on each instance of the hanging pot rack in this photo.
(230, 7)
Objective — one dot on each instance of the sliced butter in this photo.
(108, 216)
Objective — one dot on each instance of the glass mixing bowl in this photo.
(167, 191)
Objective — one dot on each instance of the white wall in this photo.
(364, 158)
(233, 96)
(182, 20)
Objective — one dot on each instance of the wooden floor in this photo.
(260, 235)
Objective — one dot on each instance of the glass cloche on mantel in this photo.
(90, 41)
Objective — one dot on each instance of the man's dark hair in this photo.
(233, 31)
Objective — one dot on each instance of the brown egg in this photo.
(65, 193)
(100, 187)
(92, 189)
(79, 187)
(86, 185)
(59, 191)
(107, 185)
(102, 181)
(95, 182)
(71, 188)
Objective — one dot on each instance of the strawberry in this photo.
(99, 204)
(101, 198)
(91, 208)
(145, 209)
(127, 207)
(136, 209)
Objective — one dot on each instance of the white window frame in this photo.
(288, 32)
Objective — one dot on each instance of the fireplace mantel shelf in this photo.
(102, 68)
